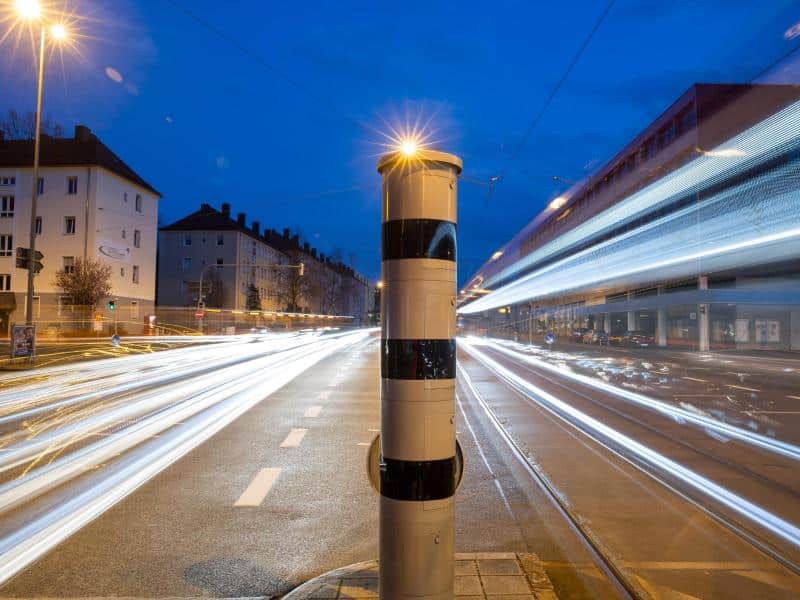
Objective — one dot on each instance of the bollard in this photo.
(418, 467)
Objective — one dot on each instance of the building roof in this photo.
(85, 149)
(207, 218)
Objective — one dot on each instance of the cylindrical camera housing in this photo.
(418, 369)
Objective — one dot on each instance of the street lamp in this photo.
(31, 10)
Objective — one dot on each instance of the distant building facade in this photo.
(90, 205)
(241, 266)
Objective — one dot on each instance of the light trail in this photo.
(674, 412)
(170, 421)
(751, 223)
(591, 426)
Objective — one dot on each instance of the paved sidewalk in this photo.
(489, 575)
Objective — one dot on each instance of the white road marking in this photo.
(294, 438)
(312, 412)
(324, 395)
(741, 387)
(363, 444)
(695, 379)
(259, 488)
(794, 397)
(373, 429)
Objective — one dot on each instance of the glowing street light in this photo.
(408, 147)
(28, 9)
(58, 32)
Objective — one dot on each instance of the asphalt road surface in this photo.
(238, 469)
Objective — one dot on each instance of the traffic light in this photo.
(24, 257)
(302, 268)
(112, 305)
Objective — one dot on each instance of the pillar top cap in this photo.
(423, 155)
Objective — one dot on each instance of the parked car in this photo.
(615, 339)
(586, 338)
(640, 339)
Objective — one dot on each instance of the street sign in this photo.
(23, 340)
(115, 339)
(550, 337)
(24, 258)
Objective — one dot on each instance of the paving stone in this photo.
(549, 594)
(504, 566)
(505, 584)
(468, 585)
(466, 567)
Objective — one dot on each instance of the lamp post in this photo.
(30, 10)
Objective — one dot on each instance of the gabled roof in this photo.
(207, 218)
(85, 149)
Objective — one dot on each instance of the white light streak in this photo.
(584, 422)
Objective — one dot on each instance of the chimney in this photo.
(82, 133)
(314, 252)
(240, 219)
(286, 232)
(306, 247)
(256, 226)
(226, 209)
(321, 257)
(205, 207)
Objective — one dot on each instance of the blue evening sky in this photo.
(291, 139)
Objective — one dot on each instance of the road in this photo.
(237, 469)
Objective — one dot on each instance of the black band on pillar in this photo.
(419, 238)
(418, 479)
(418, 359)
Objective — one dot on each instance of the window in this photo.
(40, 189)
(72, 185)
(138, 203)
(5, 283)
(186, 264)
(187, 240)
(220, 262)
(8, 181)
(6, 245)
(137, 238)
(134, 309)
(69, 225)
(122, 271)
(124, 235)
(220, 240)
(7, 206)
(125, 197)
(38, 225)
(135, 273)
(69, 264)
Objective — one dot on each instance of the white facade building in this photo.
(91, 205)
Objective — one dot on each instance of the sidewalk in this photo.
(490, 575)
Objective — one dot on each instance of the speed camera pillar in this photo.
(419, 471)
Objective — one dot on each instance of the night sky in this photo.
(279, 111)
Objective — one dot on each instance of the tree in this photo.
(86, 283)
(23, 127)
(331, 293)
(293, 288)
(253, 297)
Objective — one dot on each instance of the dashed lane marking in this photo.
(294, 438)
(259, 488)
(312, 412)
